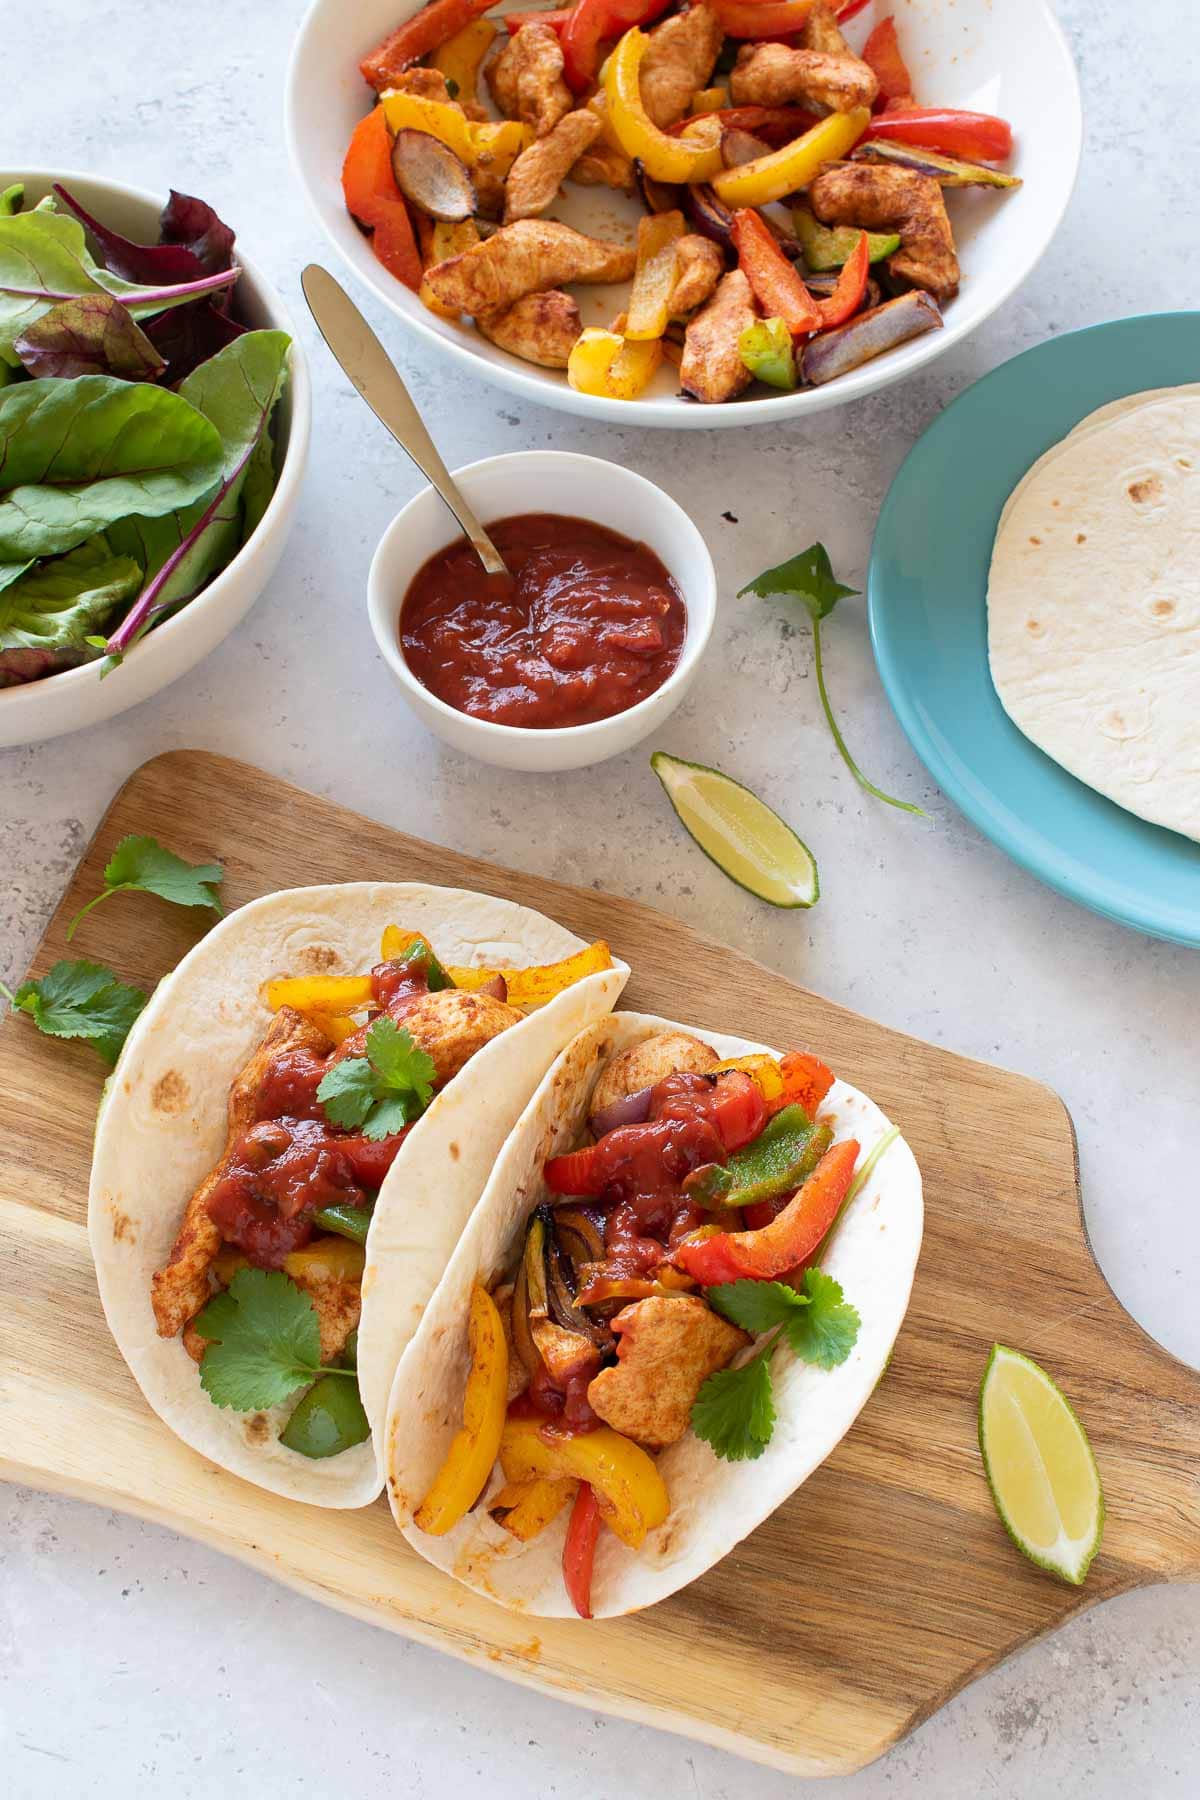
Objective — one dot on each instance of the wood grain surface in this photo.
(877, 1590)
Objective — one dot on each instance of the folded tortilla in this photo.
(1094, 605)
(714, 1504)
(163, 1127)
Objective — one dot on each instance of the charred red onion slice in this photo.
(946, 169)
(430, 175)
(872, 333)
(631, 1109)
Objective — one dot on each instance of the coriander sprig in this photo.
(264, 1342)
(809, 578)
(141, 864)
(735, 1408)
(80, 1000)
(385, 1090)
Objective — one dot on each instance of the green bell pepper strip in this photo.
(351, 1222)
(775, 1163)
(766, 350)
(328, 1420)
(827, 247)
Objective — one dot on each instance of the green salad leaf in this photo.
(809, 578)
(93, 335)
(141, 864)
(50, 610)
(76, 456)
(81, 1000)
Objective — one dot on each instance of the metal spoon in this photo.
(364, 359)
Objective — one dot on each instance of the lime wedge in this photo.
(1039, 1466)
(739, 832)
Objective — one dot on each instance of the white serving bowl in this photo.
(1008, 58)
(545, 481)
(75, 698)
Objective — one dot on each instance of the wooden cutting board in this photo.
(882, 1587)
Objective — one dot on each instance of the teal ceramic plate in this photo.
(927, 588)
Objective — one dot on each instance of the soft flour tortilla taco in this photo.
(300, 1124)
(633, 1357)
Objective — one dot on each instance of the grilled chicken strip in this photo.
(651, 1061)
(542, 328)
(878, 197)
(679, 61)
(821, 31)
(525, 258)
(538, 172)
(667, 1349)
(526, 79)
(181, 1287)
(711, 367)
(450, 1025)
(776, 75)
(699, 266)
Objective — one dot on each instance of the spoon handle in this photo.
(368, 365)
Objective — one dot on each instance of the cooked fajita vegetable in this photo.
(625, 94)
(658, 1288)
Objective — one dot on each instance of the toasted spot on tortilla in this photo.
(1162, 609)
(455, 1152)
(1081, 537)
(1035, 628)
(169, 1093)
(317, 959)
(1146, 489)
(257, 1428)
(123, 1228)
(1183, 462)
(1035, 540)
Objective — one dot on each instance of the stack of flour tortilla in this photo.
(1094, 605)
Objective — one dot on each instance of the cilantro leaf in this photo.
(734, 1411)
(756, 1305)
(809, 578)
(142, 864)
(826, 1330)
(385, 1090)
(265, 1342)
(81, 1000)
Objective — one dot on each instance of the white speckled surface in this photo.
(133, 1663)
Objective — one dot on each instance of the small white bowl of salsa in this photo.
(590, 648)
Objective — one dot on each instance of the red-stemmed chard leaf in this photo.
(188, 335)
(92, 335)
(155, 265)
(193, 224)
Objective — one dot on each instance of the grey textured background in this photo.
(131, 1661)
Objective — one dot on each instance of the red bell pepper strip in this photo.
(847, 295)
(851, 10)
(369, 1158)
(555, 19)
(372, 197)
(427, 30)
(768, 1253)
(881, 53)
(738, 1111)
(592, 22)
(806, 1081)
(574, 1173)
(775, 124)
(779, 290)
(763, 18)
(579, 1550)
(975, 137)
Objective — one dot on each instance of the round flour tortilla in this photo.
(1094, 607)
(714, 1504)
(163, 1127)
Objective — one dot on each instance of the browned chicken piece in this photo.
(525, 258)
(450, 1026)
(667, 1349)
(604, 164)
(541, 328)
(711, 367)
(667, 1053)
(876, 197)
(526, 79)
(181, 1287)
(776, 75)
(679, 61)
(821, 31)
(428, 84)
(538, 172)
(489, 187)
(738, 147)
(699, 266)
(336, 1298)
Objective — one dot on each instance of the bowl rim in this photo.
(671, 412)
(291, 467)
(701, 610)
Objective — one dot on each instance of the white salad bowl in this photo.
(74, 698)
(545, 481)
(1010, 59)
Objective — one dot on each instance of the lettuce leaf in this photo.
(47, 614)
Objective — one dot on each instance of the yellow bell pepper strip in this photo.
(463, 1476)
(654, 275)
(439, 241)
(395, 942)
(525, 1508)
(336, 1028)
(542, 981)
(333, 994)
(631, 1493)
(604, 363)
(326, 1259)
(663, 157)
(788, 170)
(503, 139)
(461, 58)
(709, 100)
(761, 1068)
